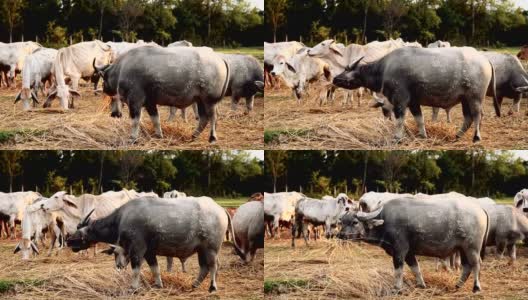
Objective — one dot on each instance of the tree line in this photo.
(56, 23)
(462, 22)
(318, 173)
(210, 172)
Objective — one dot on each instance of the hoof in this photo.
(116, 115)
(212, 140)
(476, 289)
(476, 139)
(158, 286)
(212, 289)
(422, 286)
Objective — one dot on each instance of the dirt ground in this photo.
(89, 126)
(335, 126)
(331, 269)
(74, 276)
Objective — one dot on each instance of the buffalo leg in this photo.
(467, 119)
(397, 261)
(172, 113)
(154, 268)
(249, 103)
(135, 263)
(512, 252)
(516, 105)
(415, 267)
(466, 270)
(182, 261)
(116, 107)
(436, 110)
(234, 102)
(204, 269)
(399, 113)
(448, 110)
(135, 115)
(154, 117)
(416, 111)
(203, 120)
(169, 263)
(476, 116)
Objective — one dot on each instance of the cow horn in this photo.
(87, 218)
(363, 216)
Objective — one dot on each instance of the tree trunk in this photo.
(365, 23)
(10, 183)
(274, 184)
(274, 34)
(99, 184)
(101, 24)
(365, 164)
(11, 34)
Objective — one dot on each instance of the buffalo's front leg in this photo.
(154, 268)
(419, 119)
(154, 117)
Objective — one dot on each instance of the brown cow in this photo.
(523, 54)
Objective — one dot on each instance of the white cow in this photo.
(286, 49)
(174, 194)
(120, 48)
(299, 70)
(76, 62)
(13, 205)
(439, 44)
(182, 43)
(36, 72)
(12, 57)
(520, 201)
(34, 222)
(279, 207)
(319, 212)
(72, 209)
(373, 200)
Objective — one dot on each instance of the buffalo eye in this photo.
(355, 223)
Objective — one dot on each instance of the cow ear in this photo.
(75, 93)
(336, 49)
(108, 251)
(34, 248)
(69, 203)
(17, 248)
(18, 97)
(290, 67)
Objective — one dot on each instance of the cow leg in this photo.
(154, 268)
(75, 86)
(204, 268)
(419, 119)
(275, 230)
(500, 246)
(467, 119)
(293, 232)
(169, 263)
(154, 117)
(411, 261)
(249, 103)
(12, 227)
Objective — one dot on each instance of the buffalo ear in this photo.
(18, 97)
(290, 67)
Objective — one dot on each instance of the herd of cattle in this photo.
(137, 226)
(137, 74)
(452, 227)
(403, 76)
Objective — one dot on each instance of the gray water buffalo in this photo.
(410, 77)
(248, 225)
(408, 227)
(511, 81)
(150, 226)
(150, 76)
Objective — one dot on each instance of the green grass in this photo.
(8, 284)
(509, 50)
(280, 285)
(272, 135)
(9, 135)
(6, 136)
(231, 202)
(506, 200)
(257, 52)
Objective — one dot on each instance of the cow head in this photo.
(346, 203)
(57, 201)
(25, 95)
(65, 95)
(360, 225)
(350, 78)
(79, 240)
(521, 200)
(120, 257)
(26, 247)
(326, 48)
(280, 65)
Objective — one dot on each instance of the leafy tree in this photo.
(11, 12)
(275, 12)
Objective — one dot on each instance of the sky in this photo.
(260, 154)
(260, 3)
(521, 3)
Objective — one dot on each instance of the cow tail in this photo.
(228, 75)
(238, 251)
(485, 240)
(494, 91)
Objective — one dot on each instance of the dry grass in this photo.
(89, 126)
(73, 276)
(330, 269)
(334, 126)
